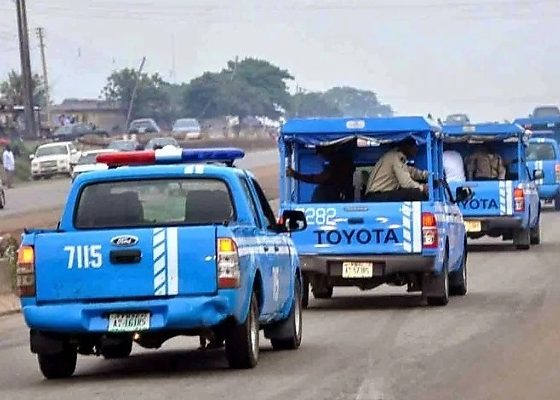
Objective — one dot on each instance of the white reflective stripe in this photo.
(406, 226)
(502, 193)
(160, 262)
(417, 226)
(172, 262)
(509, 198)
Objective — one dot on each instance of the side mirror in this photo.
(538, 174)
(463, 193)
(292, 221)
(31, 156)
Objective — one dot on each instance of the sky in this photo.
(493, 60)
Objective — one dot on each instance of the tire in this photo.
(305, 293)
(242, 341)
(536, 233)
(121, 350)
(557, 203)
(522, 239)
(58, 366)
(458, 280)
(293, 323)
(442, 281)
(2, 200)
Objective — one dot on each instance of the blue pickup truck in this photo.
(543, 153)
(361, 243)
(147, 252)
(508, 207)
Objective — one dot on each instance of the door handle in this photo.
(265, 248)
(276, 248)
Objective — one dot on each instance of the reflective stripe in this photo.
(417, 226)
(407, 225)
(509, 198)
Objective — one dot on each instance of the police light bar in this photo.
(171, 156)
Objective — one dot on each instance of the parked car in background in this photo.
(144, 125)
(124, 145)
(76, 131)
(189, 126)
(54, 159)
(161, 142)
(87, 162)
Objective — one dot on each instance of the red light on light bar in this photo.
(127, 157)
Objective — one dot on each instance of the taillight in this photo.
(429, 231)
(229, 273)
(25, 271)
(518, 199)
(557, 170)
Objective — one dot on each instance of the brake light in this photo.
(229, 273)
(557, 170)
(429, 231)
(25, 271)
(518, 200)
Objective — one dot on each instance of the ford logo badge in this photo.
(124, 241)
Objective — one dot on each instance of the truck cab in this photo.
(364, 244)
(506, 206)
(161, 244)
(543, 152)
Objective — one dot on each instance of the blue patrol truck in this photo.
(543, 154)
(364, 244)
(508, 207)
(147, 252)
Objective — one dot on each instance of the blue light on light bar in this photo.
(176, 155)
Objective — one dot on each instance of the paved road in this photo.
(50, 194)
(501, 341)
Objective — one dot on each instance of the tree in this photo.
(11, 90)
(248, 88)
(313, 104)
(152, 96)
(357, 103)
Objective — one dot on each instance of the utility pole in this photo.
(41, 36)
(134, 91)
(26, 68)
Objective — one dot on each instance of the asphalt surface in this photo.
(501, 341)
(44, 195)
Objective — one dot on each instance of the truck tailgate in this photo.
(491, 198)
(124, 264)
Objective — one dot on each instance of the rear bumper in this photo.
(384, 265)
(549, 191)
(166, 314)
(495, 225)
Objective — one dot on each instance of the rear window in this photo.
(540, 151)
(159, 202)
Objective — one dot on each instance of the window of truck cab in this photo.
(139, 203)
(537, 151)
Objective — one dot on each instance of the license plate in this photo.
(357, 270)
(129, 322)
(473, 226)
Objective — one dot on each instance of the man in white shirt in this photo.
(453, 166)
(9, 165)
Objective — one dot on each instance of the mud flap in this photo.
(41, 343)
(522, 239)
(431, 285)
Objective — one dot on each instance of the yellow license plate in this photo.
(473, 226)
(357, 270)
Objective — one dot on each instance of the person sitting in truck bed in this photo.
(485, 164)
(335, 182)
(391, 179)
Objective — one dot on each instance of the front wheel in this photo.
(292, 325)
(242, 341)
(59, 365)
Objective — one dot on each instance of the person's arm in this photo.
(417, 174)
(309, 178)
(403, 175)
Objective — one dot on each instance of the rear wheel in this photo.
(242, 341)
(536, 233)
(458, 280)
(441, 283)
(59, 365)
(522, 239)
(293, 324)
(557, 203)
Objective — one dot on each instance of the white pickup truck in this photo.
(54, 159)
